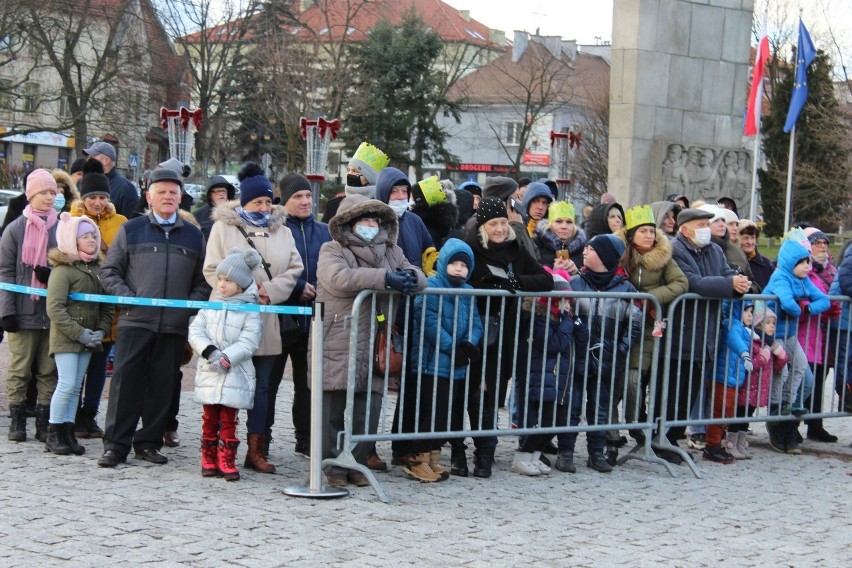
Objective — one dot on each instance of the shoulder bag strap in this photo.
(263, 262)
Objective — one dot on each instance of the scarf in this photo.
(254, 218)
(599, 279)
(85, 257)
(531, 226)
(34, 248)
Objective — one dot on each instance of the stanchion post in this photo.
(316, 488)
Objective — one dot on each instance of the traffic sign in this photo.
(134, 161)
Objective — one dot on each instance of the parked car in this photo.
(233, 181)
(195, 191)
(5, 196)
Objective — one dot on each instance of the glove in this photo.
(96, 342)
(804, 305)
(10, 324)
(219, 362)
(86, 336)
(466, 352)
(765, 352)
(401, 281)
(42, 273)
(834, 311)
(747, 362)
(623, 347)
(498, 283)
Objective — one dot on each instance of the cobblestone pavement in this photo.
(775, 510)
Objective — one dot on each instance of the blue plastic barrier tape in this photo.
(166, 302)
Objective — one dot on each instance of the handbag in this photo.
(387, 358)
(491, 329)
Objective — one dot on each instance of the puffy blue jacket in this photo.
(791, 289)
(414, 237)
(309, 235)
(729, 365)
(458, 322)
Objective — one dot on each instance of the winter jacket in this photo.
(813, 330)
(122, 193)
(597, 223)
(235, 334)
(734, 255)
(614, 325)
(309, 235)
(792, 290)
(414, 237)
(147, 261)
(761, 269)
(204, 214)
(347, 265)
(737, 340)
(548, 243)
(440, 219)
(31, 313)
(533, 191)
(68, 317)
(655, 273)
(108, 222)
(842, 286)
(456, 322)
(755, 391)
(550, 359)
(275, 244)
(521, 235)
(696, 322)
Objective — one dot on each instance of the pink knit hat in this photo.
(67, 230)
(40, 180)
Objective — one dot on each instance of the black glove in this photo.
(401, 281)
(498, 283)
(42, 273)
(466, 352)
(10, 324)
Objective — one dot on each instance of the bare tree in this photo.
(591, 159)
(15, 65)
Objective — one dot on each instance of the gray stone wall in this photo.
(679, 76)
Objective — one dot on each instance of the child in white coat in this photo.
(225, 341)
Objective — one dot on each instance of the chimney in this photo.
(305, 4)
(520, 45)
(465, 15)
(497, 36)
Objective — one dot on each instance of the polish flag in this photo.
(755, 96)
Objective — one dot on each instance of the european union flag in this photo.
(804, 55)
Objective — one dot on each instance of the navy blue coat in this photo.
(309, 235)
(550, 361)
(414, 237)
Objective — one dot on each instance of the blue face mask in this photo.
(59, 202)
(366, 232)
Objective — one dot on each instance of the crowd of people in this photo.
(584, 354)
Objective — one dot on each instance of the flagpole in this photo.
(753, 214)
(789, 197)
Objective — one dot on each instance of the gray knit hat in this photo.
(238, 265)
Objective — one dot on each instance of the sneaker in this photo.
(565, 462)
(697, 441)
(718, 454)
(598, 463)
(542, 463)
(522, 463)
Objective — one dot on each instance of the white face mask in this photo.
(399, 206)
(702, 237)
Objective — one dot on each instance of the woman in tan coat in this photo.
(363, 256)
(254, 222)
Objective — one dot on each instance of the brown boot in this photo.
(435, 464)
(419, 469)
(255, 459)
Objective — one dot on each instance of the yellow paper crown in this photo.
(370, 161)
(639, 215)
(432, 191)
(560, 210)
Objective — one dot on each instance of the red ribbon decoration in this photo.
(303, 126)
(575, 138)
(164, 118)
(185, 116)
(331, 125)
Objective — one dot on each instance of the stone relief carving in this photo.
(705, 173)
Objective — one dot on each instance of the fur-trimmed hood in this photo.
(72, 195)
(227, 213)
(354, 206)
(57, 257)
(66, 235)
(654, 260)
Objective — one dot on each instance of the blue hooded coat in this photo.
(729, 365)
(414, 237)
(457, 322)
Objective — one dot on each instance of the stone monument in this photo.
(678, 92)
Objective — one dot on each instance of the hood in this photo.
(355, 206)
(388, 178)
(790, 253)
(596, 223)
(78, 209)
(66, 233)
(450, 248)
(464, 202)
(71, 194)
(660, 209)
(536, 189)
(219, 181)
(227, 213)
(655, 259)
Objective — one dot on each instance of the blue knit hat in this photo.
(253, 183)
(610, 249)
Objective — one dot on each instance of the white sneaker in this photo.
(522, 463)
(542, 468)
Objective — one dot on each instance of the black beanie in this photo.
(292, 183)
(610, 249)
(93, 182)
(77, 165)
(490, 208)
(462, 256)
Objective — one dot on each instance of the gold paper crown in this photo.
(639, 215)
(560, 210)
(367, 157)
(432, 190)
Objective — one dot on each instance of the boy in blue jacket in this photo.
(796, 294)
(447, 330)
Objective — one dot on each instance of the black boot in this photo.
(56, 442)
(17, 423)
(75, 446)
(80, 429)
(482, 462)
(42, 412)
(458, 462)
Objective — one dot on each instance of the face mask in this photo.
(59, 202)
(399, 206)
(354, 180)
(702, 237)
(366, 232)
(456, 280)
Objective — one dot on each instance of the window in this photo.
(64, 107)
(31, 97)
(5, 92)
(513, 133)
